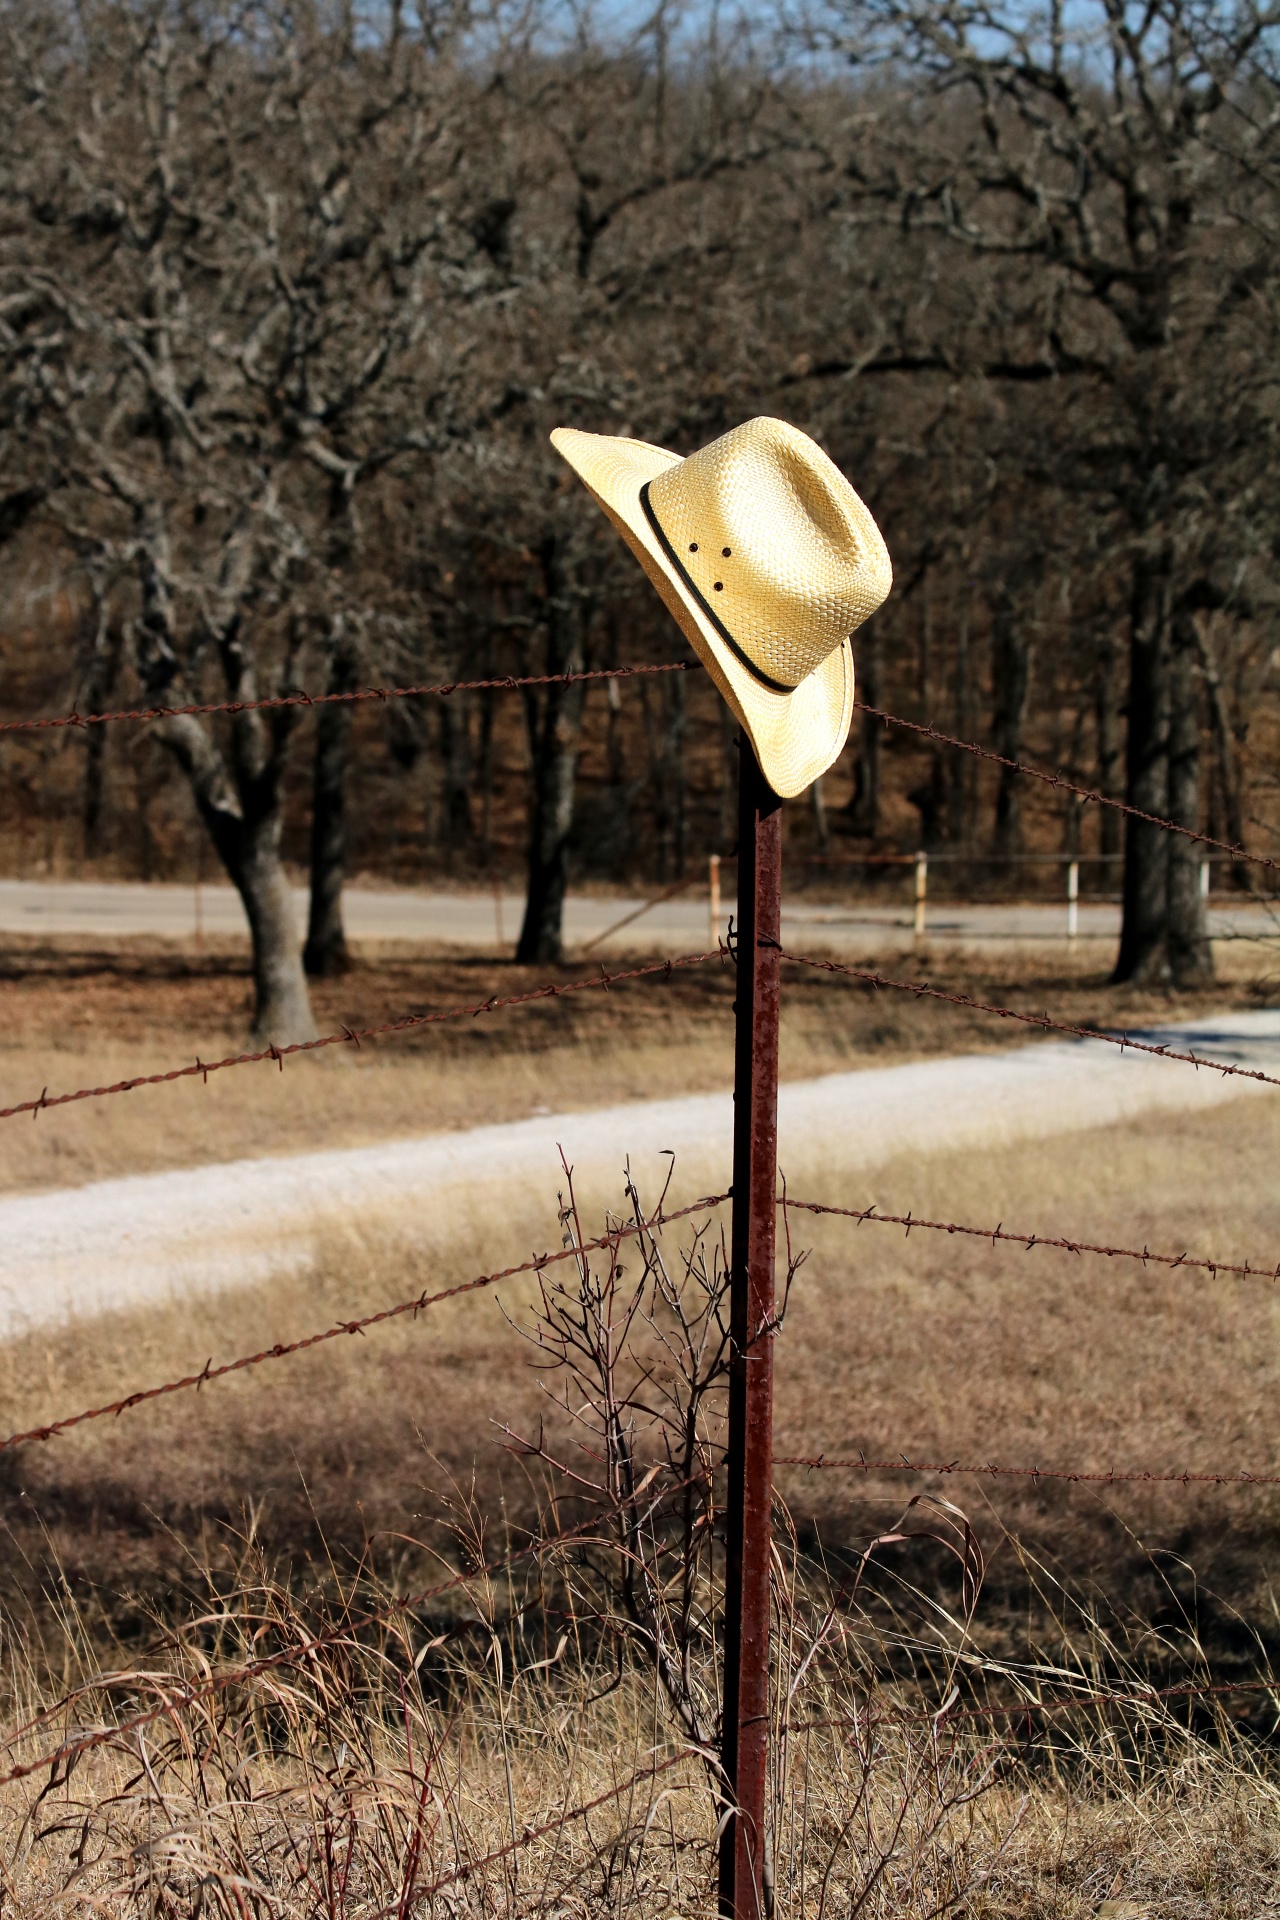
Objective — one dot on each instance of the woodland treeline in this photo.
(292, 295)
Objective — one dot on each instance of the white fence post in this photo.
(922, 886)
(713, 901)
(1073, 899)
(1204, 879)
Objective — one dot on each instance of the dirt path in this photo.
(78, 1251)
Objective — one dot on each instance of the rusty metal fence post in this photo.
(745, 1738)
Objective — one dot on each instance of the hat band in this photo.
(777, 686)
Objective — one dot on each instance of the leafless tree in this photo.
(1118, 175)
(237, 232)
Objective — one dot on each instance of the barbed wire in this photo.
(420, 1302)
(283, 1350)
(923, 991)
(1029, 1240)
(1058, 780)
(349, 1036)
(354, 1036)
(72, 1749)
(441, 689)
(378, 1616)
(510, 682)
(1110, 1476)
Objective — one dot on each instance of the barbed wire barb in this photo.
(1105, 1476)
(283, 1350)
(345, 1035)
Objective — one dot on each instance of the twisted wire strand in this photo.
(285, 1349)
(442, 689)
(419, 1303)
(1109, 1476)
(1050, 1703)
(923, 991)
(509, 682)
(348, 1036)
(998, 1234)
(1063, 785)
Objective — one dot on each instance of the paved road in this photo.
(79, 1251)
(481, 921)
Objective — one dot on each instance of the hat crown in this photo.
(778, 546)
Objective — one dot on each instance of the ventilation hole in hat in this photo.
(693, 546)
(727, 552)
(719, 586)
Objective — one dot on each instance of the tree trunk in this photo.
(244, 822)
(554, 728)
(281, 1003)
(104, 665)
(962, 767)
(239, 796)
(484, 776)
(1011, 668)
(727, 821)
(1110, 751)
(1144, 931)
(664, 741)
(1242, 875)
(1190, 954)
(455, 772)
(818, 805)
(863, 810)
(325, 954)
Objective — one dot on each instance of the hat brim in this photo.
(796, 734)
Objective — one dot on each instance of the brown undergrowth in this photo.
(521, 1718)
(940, 1348)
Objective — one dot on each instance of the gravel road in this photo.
(80, 1251)
(482, 921)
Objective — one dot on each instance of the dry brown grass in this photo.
(389, 1774)
(371, 1781)
(942, 1348)
(163, 1542)
(433, 1756)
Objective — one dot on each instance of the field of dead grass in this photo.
(392, 1771)
(184, 1534)
(396, 1778)
(930, 1345)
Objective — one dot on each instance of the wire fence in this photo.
(921, 990)
(274, 702)
(1063, 784)
(662, 1217)
(553, 990)
(297, 698)
(182, 1699)
(284, 1350)
(1000, 1234)
(989, 1470)
(354, 1036)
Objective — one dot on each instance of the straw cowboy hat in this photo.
(768, 559)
